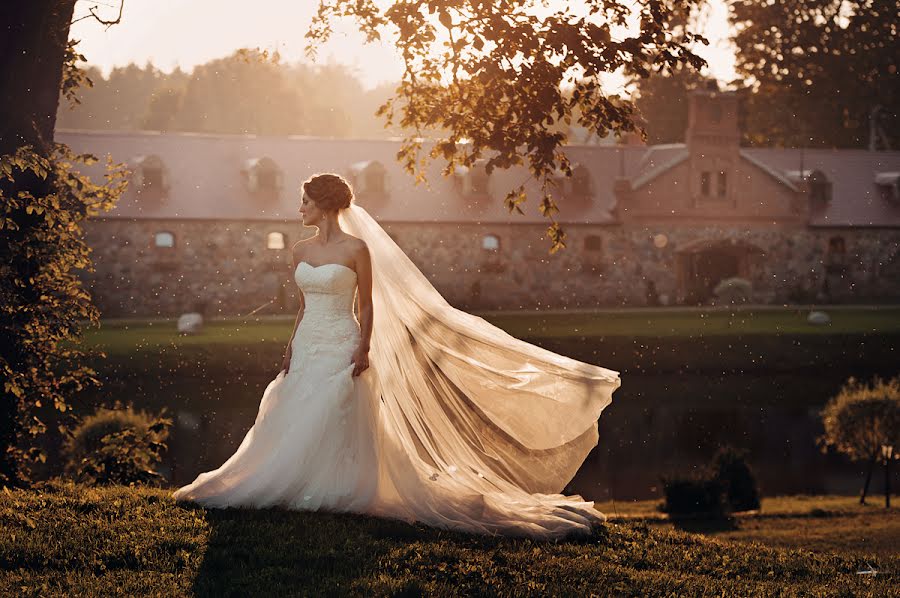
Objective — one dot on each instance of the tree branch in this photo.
(108, 23)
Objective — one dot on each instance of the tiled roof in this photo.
(656, 160)
(205, 181)
(204, 174)
(855, 198)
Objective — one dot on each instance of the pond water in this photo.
(657, 424)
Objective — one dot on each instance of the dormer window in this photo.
(474, 181)
(578, 185)
(263, 176)
(888, 185)
(368, 178)
(819, 187)
(275, 240)
(150, 175)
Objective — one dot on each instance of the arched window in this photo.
(490, 243)
(275, 240)
(164, 239)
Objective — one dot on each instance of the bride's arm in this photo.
(287, 353)
(364, 299)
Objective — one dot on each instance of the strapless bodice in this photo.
(328, 323)
(327, 288)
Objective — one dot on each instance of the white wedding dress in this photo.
(455, 424)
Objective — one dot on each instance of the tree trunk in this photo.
(32, 53)
(862, 497)
(887, 481)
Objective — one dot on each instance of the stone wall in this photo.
(225, 269)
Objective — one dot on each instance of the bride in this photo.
(415, 410)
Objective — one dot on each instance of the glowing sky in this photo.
(185, 33)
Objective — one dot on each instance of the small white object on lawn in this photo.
(190, 323)
(818, 318)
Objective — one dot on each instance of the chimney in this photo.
(712, 118)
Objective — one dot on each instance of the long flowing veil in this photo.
(476, 429)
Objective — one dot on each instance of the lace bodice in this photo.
(328, 323)
(329, 287)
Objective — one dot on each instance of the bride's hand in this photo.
(360, 360)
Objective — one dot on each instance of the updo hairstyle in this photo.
(330, 192)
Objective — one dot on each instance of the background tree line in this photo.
(248, 91)
(810, 73)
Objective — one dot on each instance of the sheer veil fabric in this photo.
(474, 429)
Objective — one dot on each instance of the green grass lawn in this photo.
(63, 539)
(661, 322)
(860, 340)
(821, 523)
(689, 322)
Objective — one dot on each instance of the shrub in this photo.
(733, 290)
(727, 484)
(694, 493)
(117, 446)
(730, 467)
(863, 422)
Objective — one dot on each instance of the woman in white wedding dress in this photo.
(416, 410)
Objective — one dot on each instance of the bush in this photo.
(117, 446)
(727, 485)
(692, 494)
(730, 467)
(733, 290)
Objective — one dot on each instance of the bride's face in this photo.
(309, 211)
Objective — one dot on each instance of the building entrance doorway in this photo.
(703, 264)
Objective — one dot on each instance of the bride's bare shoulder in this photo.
(360, 249)
(298, 249)
(357, 243)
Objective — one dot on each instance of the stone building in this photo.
(208, 222)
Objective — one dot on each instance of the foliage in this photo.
(117, 446)
(814, 71)
(68, 539)
(730, 467)
(733, 290)
(492, 76)
(73, 76)
(692, 494)
(862, 418)
(251, 91)
(42, 303)
(663, 103)
(727, 484)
